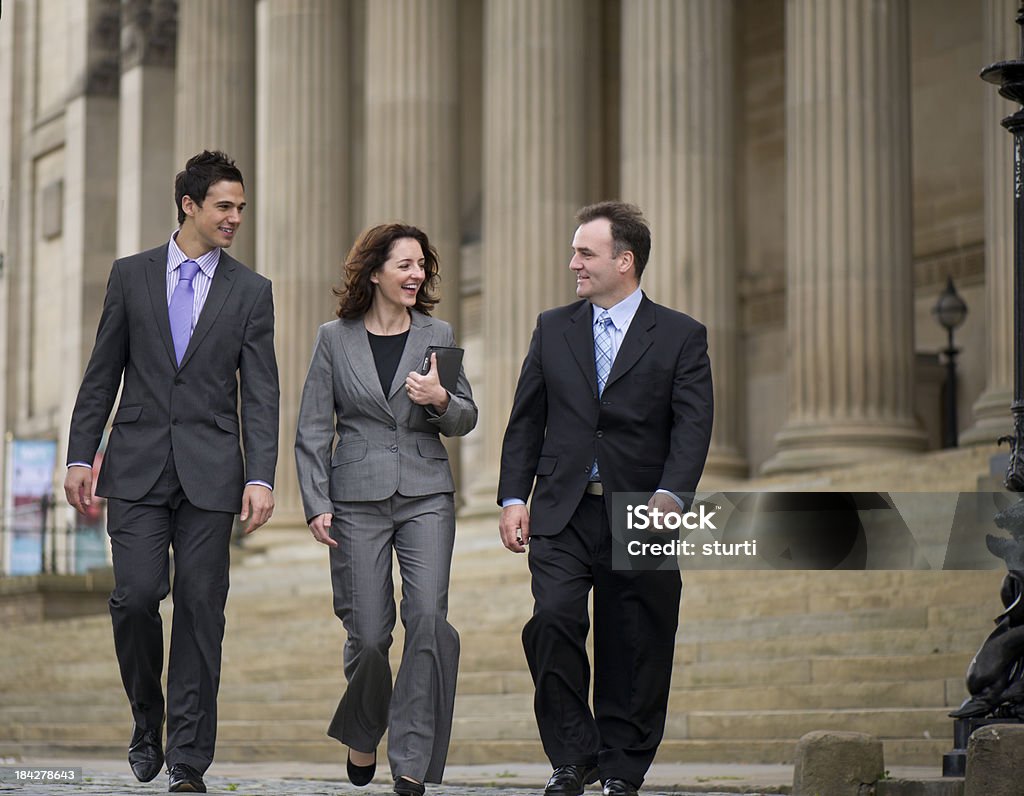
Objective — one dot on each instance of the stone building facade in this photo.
(813, 171)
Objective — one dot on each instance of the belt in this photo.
(594, 488)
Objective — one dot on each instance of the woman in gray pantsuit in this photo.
(386, 485)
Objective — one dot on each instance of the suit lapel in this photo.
(580, 337)
(360, 357)
(223, 281)
(415, 346)
(156, 277)
(637, 340)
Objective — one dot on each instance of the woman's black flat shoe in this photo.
(406, 787)
(360, 775)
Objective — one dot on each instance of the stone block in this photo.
(995, 761)
(830, 763)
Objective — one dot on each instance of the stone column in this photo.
(216, 93)
(849, 291)
(540, 115)
(146, 165)
(78, 213)
(302, 209)
(679, 168)
(412, 135)
(992, 416)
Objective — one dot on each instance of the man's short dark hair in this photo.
(629, 229)
(202, 171)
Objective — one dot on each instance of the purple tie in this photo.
(180, 308)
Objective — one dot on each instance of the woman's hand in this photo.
(320, 526)
(424, 390)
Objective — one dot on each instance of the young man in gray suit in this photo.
(186, 326)
(614, 396)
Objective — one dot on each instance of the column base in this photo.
(992, 418)
(819, 447)
(726, 462)
(479, 502)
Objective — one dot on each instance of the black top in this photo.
(387, 351)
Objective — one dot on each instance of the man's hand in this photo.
(257, 501)
(320, 527)
(665, 503)
(515, 527)
(427, 389)
(78, 487)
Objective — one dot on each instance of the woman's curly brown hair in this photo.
(368, 254)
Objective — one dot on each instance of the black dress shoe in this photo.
(570, 780)
(145, 754)
(406, 787)
(360, 775)
(185, 779)
(613, 786)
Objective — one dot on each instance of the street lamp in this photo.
(994, 676)
(950, 311)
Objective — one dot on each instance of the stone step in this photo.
(738, 726)
(899, 752)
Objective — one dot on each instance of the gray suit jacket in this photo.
(385, 444)
(191, 409)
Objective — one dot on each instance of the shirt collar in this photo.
(175, 257)
(623, 312)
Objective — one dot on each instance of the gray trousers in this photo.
(417, 712)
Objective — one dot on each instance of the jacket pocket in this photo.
(127, 414)
(226, 423)
(431, 449)
(546, 465)
(348, 452)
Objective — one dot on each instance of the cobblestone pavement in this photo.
(269, 779)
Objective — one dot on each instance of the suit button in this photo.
(179, 382)
(600, 434)
(175, 422)
(393, 449)
(392, 428)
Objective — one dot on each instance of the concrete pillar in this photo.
(849, 291)
(146, 164)
(216, 93)
(992, 417)
(412, 135)
(539, 118)
(679, 168)
(301, 203)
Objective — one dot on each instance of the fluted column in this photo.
(302, 207)
(539, 118)
(679, 168)
(412, 134)
(216, 92)
(146, 165)
(849, 292)
(992, 409)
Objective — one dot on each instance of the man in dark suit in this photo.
(614, 396)
(184, 325)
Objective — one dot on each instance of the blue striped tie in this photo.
(602, 349)
(603, 361)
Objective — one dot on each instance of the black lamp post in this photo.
(995, 677)
(950, 311)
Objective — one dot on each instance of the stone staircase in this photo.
(761, 657)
